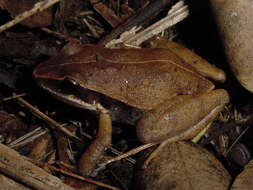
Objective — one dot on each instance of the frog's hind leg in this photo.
(198, 63)
(185, 135)
(182, 117)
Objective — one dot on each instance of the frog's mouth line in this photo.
(70, 96)
(70, 92)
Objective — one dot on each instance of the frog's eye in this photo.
(72, 81)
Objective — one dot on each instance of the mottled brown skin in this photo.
(200, 64)
(142, 78)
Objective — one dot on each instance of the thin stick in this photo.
(8, 183)
(236, 140)
(133, 38)
(129, 153)
(148, 13)
(178, 13)
(38, 7)
(107, 13)
(92, 30)
(56, 125)
(13, 97)
(27, 138)
(59, 35)
(115, 151)
(16, 166)
(45, 118)
(83, 178)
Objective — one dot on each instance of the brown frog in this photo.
(177, 100)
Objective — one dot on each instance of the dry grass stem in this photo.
(38, 7)
(129, 153)
(83, 178)
(178, 13)
(27, 138)
(13, 97)
(59, 35)
(45, 118)
(91, 28)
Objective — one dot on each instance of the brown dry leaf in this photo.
(15, 7)
(183, 166)
(244, 181)
(106, 13)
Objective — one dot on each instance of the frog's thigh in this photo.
(201, 65)
(182, 117)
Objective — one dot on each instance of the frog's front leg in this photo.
(95, 152)
(181, 117)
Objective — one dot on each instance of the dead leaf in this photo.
(244, 181)
(107, 13)
(183, 166)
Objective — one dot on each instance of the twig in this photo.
(83, 178)
(45, 118)
(107, 13)
(13, 97)
(56, 125)
(133, 38)
(226, 126)
(178, 13)
(8, 183)
(85, 13)
(38, 7)
(115, 151)
(36, 133)
(123, 38)
(148, 13)
(236, 140)
(127, 154)
(16, 166)
(59, 35)
(92, 30)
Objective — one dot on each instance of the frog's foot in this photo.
(182, 117)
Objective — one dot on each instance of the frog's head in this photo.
(61, 75)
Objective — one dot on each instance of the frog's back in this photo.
(142, 78)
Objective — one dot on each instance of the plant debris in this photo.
(48, 144)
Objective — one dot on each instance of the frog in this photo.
(172, 90)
